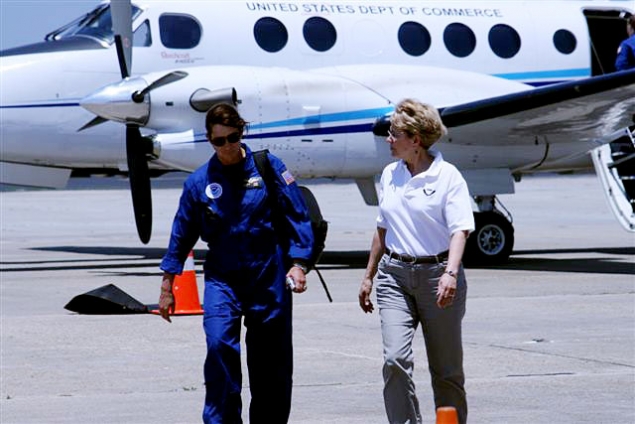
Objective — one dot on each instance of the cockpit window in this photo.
(95, 24)
(142, 36)
(179, 31)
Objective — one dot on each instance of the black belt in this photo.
(434, 259)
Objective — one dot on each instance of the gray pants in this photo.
(406, 296)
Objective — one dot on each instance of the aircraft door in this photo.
(607, 29)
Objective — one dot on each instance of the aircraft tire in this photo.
(491, 242)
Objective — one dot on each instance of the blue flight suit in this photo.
(228, 207)
(626, 54)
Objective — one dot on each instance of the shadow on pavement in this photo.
(143, 257)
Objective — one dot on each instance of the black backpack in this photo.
(318, 224)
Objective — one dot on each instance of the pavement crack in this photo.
(560, 355)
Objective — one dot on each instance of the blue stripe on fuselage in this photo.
(31, 106)
(561, 75)
(344, 129)
(307, 132)
(330, 117)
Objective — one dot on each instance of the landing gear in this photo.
(493, 238)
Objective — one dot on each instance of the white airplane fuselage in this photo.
(312, 108)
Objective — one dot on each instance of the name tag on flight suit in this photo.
(254, 182)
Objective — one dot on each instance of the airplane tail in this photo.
(615, 167)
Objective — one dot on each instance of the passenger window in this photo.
(179, 31)
(319, 34)
(504, 41)
(142, 36)
(270, 34)
(564, 41)
(414, 38)
(459, 39)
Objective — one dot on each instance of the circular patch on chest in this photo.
(214, 191)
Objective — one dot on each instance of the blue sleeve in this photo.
(185, 231)
(296, 214)
(625, 55)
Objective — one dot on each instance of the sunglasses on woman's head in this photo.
(231, 138)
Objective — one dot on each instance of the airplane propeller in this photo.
(137, 147)
(118, 103)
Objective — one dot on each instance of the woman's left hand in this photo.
(446, 290)
(299, 279)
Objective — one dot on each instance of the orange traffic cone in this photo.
(186, 301)
(447, 415)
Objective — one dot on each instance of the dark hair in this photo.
(224, 114)
(631, 22)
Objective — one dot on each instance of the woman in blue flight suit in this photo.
(225, 203)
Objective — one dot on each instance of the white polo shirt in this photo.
(420, 213)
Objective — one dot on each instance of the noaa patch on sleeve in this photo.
(288, 178)
(214, 191)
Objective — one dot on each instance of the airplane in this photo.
(524, 87)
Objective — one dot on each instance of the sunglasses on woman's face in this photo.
(231, 138)
(394, 134)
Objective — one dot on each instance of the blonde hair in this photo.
(416, 118)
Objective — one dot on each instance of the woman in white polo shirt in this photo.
(425, 217)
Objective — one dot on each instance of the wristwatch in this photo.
(301, 266)
(451, 273)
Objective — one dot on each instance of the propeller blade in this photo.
(164, 80)
(137, 147)
(139, 174)
(121, 15)
(93, 122)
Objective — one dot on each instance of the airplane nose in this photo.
(115, 102)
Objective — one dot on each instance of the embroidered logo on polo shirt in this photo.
(429, 191)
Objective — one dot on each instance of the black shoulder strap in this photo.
(263, 166)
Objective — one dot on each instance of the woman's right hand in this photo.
(166, 298)
(364, 295)
(377, 248)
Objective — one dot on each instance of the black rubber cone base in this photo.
(106, 300)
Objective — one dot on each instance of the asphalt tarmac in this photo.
(548, 337)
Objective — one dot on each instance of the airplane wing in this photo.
(586, 110)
